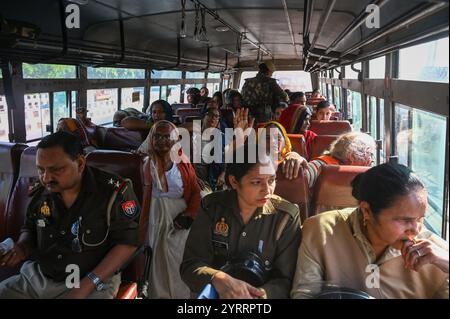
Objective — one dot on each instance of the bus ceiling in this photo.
(214, 35)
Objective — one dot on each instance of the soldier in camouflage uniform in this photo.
(262, 92)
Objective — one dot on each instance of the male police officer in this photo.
(80, 219)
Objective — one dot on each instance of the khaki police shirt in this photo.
(335, 251)
(218, 234)
(54, 228)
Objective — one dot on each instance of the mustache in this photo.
(51, 184)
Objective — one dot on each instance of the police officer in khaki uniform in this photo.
(248, 218)
(81, 225)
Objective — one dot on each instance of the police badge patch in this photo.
(129, 208)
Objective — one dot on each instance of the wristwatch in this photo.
(97, 281)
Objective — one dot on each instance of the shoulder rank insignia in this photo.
(221, 228)
(129, 208)
(33, 187)
(45, 210)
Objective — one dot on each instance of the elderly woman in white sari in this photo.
(175, 199)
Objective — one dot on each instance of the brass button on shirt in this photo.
(218, 234)
(80, 234)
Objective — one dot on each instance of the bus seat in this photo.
(124, 164)
(191, 118)
(18, 203)
(130, 166)
(121, 139)
(177, 106)
(333, 189)
(320, 144)
(294, 190)
(330, 127)
(185, 112)
(298, 144)
(314, 102)
(336, 116)
(9, 171)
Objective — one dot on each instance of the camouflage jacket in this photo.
(259, 94)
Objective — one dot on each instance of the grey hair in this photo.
(352, 146)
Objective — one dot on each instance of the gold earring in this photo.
(365, 222)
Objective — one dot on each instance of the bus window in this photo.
(349, 73)
(337, 98)
(154, 94)
(37, 115)
(329, 94)
(354, 109)
(420, 144)
(372, 103)
(60, 107)
(48, 71)
(166, 74)
(173, 94)
(382, 153)
(4, 124)
(74, 97)
(195, 75)
(214, 75)
(115, 73)
(132, 97)
(430, 61)
(101, 105)
(295, 81)
(164, 92)
(377, 68)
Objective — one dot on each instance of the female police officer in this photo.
(248, 220)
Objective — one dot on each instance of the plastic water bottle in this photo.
(6, 246)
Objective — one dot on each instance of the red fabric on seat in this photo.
(330, 127)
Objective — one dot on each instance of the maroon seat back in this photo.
(121, 139)
(295, 190)
(330, 127)
(126, 165)
(17, 207)
(183, 113)
(9, 171)
(333, 188)
(320, 144)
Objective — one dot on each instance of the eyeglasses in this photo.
(158, 137)
(213, 115)
(76, 244)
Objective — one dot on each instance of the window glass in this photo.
(425, 62)
(154, 94)
(214, 75)
(293, 80)
(372, 103)
(48, 71)
(195, 75)
(329, 94)
(349, 73)
(420, 143)
(132, 97)
(164, 92)
(382, 153)
(377, 68)
(166, 74)
(115, 73)
(101, 105)
(74, 103)
(354, 109)
(213, 87)
(337, 98)
(37, 115)
(4, 126)
(173, 94)
(60, 108)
